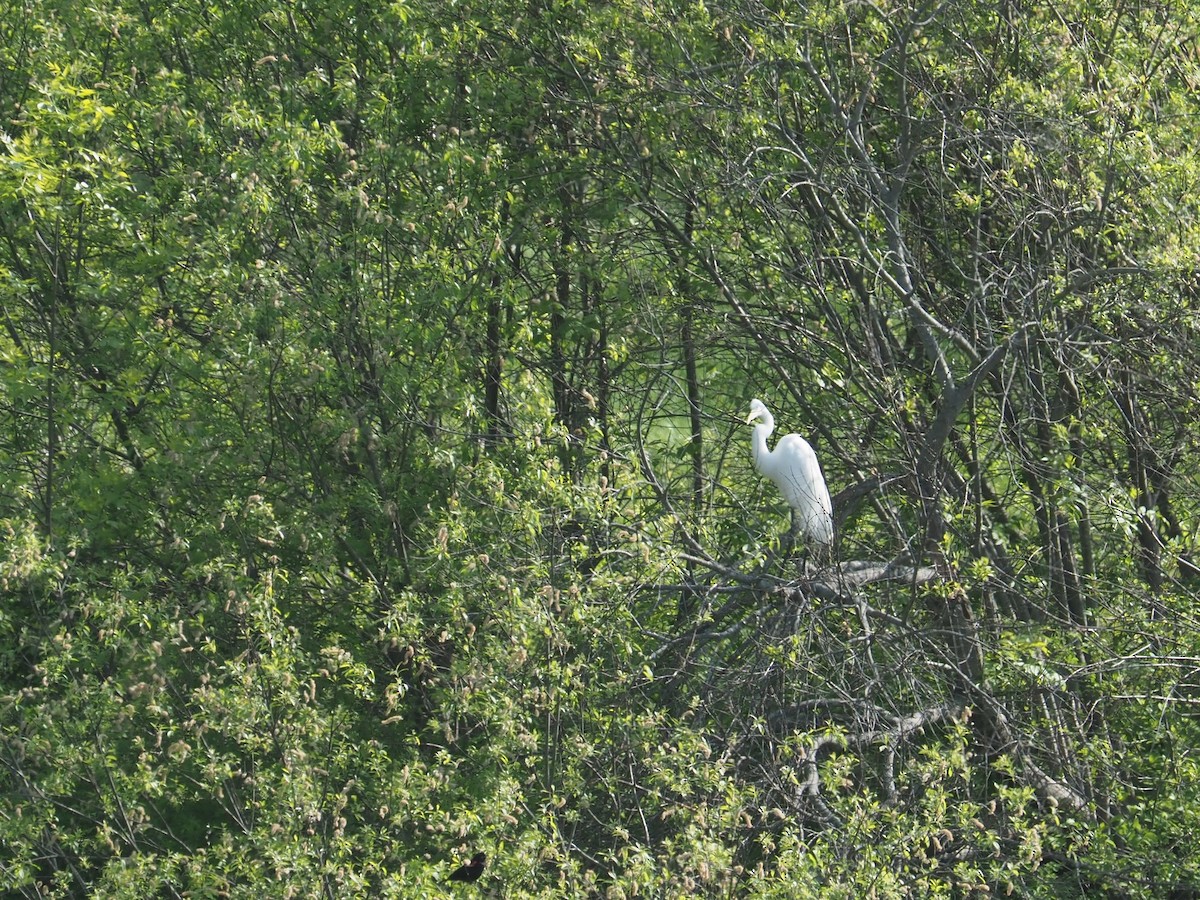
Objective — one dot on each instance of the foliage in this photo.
(375, 492)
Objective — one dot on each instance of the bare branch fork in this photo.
(839, 584)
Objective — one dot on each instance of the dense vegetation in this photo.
(374, 488)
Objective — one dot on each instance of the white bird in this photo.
(793, 466)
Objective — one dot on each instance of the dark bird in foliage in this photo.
(470, 871)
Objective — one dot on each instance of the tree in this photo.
(934, 238)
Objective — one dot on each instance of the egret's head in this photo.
(757, 411)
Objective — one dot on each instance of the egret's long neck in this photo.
(758, 441)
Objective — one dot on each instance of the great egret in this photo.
(793, 466)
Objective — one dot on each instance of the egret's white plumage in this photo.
(793, 466)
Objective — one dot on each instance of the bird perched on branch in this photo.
(793, 466)
(470, 871)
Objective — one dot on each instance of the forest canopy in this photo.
(376, 490)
